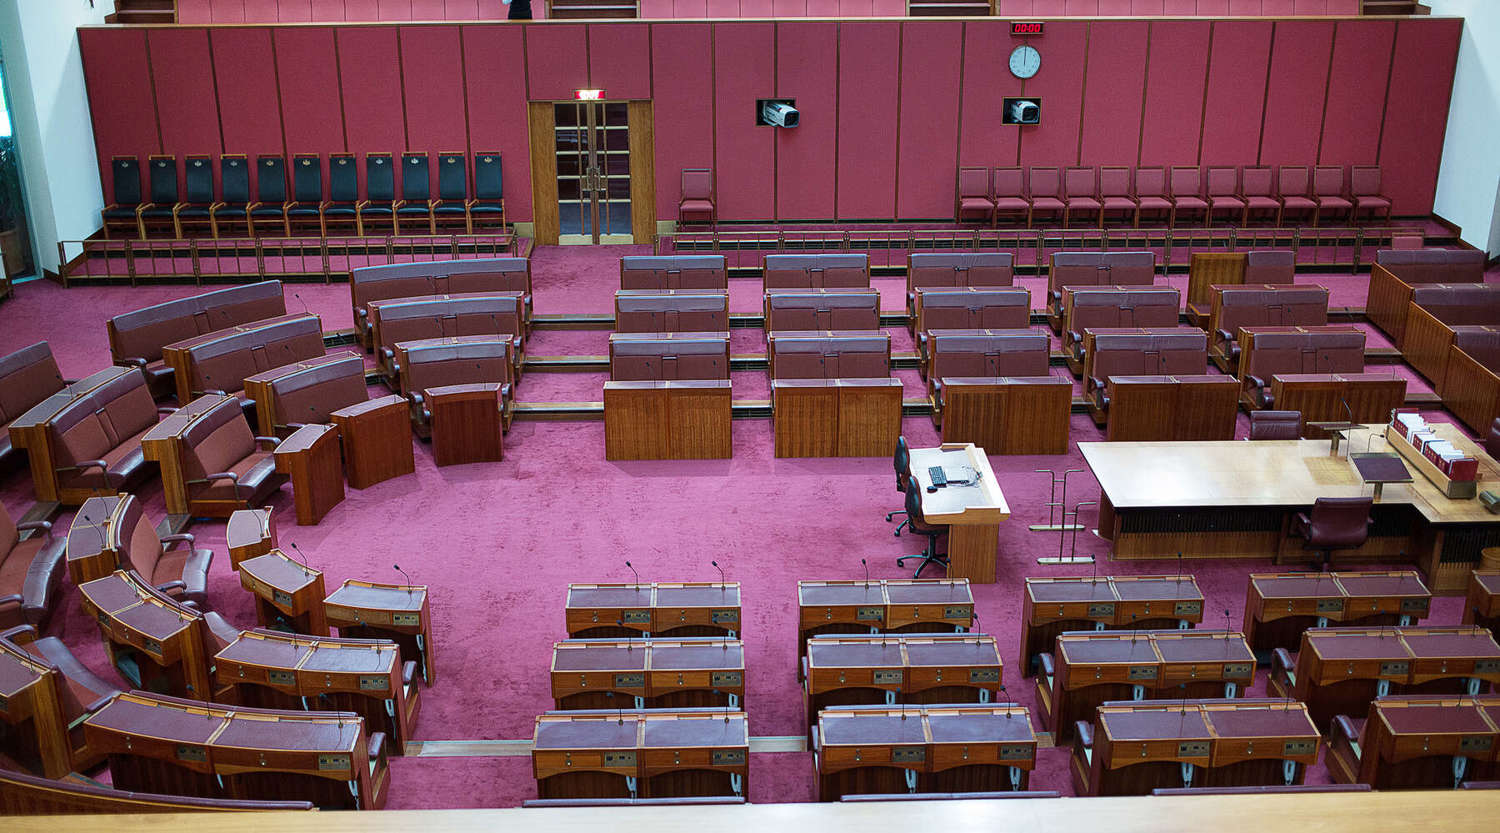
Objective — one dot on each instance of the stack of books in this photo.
(1452, 462)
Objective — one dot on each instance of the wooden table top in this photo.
(1161, 475)
(980, 503)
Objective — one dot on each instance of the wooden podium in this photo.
(250, 532)
(376, 435)
(686, 420)
(310, 458)
(465, 423)
(288, 595)
(835, 417)
(972, 512)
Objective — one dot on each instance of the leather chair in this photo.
(1223, 193)
(170, 563)
(27, 376)
(224, 468)
(122, 213)
(1275, 425)
(918, 524)
(487, 209)
(681, 272)
(974, 195)
(837, 354)
(96, 438)
(269, 209)
(1044, 194)
(1151, 193)
(234, 194)
(902, 462)
(341, 209)
(307, 193)
(1328, 193)
(416, 206)
(1270, 266)
(697, 196)
(380, 204)
(450, 209)
(1294, 187)
(1336, 523)
(1187, 193)
(663, 357)
(163, 191)
(1492, 441)
(80, 693)
(30, 572)
(196, 210)
(1007, 187)
(820, 271)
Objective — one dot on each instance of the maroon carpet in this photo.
(498, 543)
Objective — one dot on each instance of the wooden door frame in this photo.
(542, 126)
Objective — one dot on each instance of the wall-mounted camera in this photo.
(1021, 111)
(777, 112)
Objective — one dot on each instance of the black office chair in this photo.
(1335, 523)
(903, 465)
(916, 523)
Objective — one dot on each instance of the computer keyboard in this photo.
(937, 475)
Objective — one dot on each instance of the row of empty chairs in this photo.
(1290, 192)
(315, 201)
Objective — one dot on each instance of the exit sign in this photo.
(589, 95)
(1025, 28)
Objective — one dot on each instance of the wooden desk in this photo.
(673, 420)
(884, 669)
(674, 753)
(1007, 415)
(931, 749)
(673, 609)
(91, 553)
(1087, 669)
(1482, 607)
(1139, 747)
(465, 423)
(368, 610)
(648, 673)
(163, 744)
(156, 643)
(1340, 670)
(1280, 606)
(29, 430)
(973, 512)
(272, 670)
(31, 707)
(376, 436)
(1322, 397)
(889, 606)
(1418, 743)
(1149, 408)
(250, 532)
(163, 444)
(1234, 499)
(310, 459)
(835, 417)
(288, 595)
(1055, 604)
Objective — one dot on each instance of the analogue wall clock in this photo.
(1025, 61)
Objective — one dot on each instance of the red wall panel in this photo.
(807, 71)
(370, 78)
(986, 82)
(361, 10)
(1300, 52)
(1059, 83)
(311, 109)
(557, 61)
(620, 60)
(493, 61)
(427, 10)
(868, 85)
(1175, 78)
(229, 11)
(928, 145)
(691, 8)
(261, 11)
(328, 9)
(195, 11)
(118, 75)
(295, 11)
(723, 8)
(744, 70)
(1111, 127)
(492, 10)
(1356, 92)
(682, 61)
(433, 74)
(460, 10)
(187, 103)
(1237, 67)
(393, 10)
(251, 114)
(1411, 143)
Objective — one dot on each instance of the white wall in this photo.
(50, 106)
(1468, 191)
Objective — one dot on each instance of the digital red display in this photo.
(1025, 28)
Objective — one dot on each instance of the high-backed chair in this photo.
(305, 208)
(450, 209)
(269, 209)
(223, 466)
(1294, 188)
(125, 186)
(697, 202)
(169, 562)
(487, 209)
(341, 209)
(27, 376)
(1008, 188)
(1328, 193)
(915, 522)
(415, 207)
(1275, 425)
(96, 438)
(161, 175)
(1270, 266)
(234, 194)
(195, 212)
(30, 572)
(1223, 193)
(1258, 191)
(1187, 193)
(380, 203)
(1335, 523)
(1081, 194)
(974, 195)
(1151, 194)
(1044, 194)
(1115, 192)
(1364, 189)
(902, 462)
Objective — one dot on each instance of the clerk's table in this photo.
(972, 511)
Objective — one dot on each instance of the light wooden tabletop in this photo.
(976, 503)
(1161, 475)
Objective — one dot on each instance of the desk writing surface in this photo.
(1156, 588)
(1348, 646)
(305, 735)
(974, 727)
(841, 594)
(16, 673)
(1369, 585)
(853, 728)
(1467, 643)
(126, 713)
(1272, 722)
(1155, 724)
(610, 596)
(980, 503)
(1119, 649)
(584, 655)
(1086, 590)
(929, 591)
(112, 593)
(698, 595)
(279, 571)
(1203, 646)
(351, 659)
(379, 597)
(722, 729)
(1303, 586)
(828, 652)
(253, 649)
(962, 651)
(670, 656)
(153, 620)
(1448, 719)
(596, 732)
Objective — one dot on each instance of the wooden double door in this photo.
(592, 172)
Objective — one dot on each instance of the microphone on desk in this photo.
(619, 712)
(722, 582)
(726, 704)
(300, 554)
(397, 568)
(1179, 565)
(637, 575)
(1133, 632)
(1226, 624)
(298, 296)
(1348, 412)
(862, 563)
(629, 640)
(1002, 695)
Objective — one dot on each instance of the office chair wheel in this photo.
(897, 533)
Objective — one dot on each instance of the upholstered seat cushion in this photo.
(1082, 202)
(339, 211)
(32, 569)
(1149, 203)
(1226, 202)
(1298, 202)
(380, 210)
(1111, 203)
(266, 211)
(1333, 202)
(185, 564)
(1189, 202)
(157, 211)
(230, 208)
(976, 204)
(411, 209)
(449, 208)
(1371, 202)
(257, 478)
(302, 211)
(1011, 204)
(124, 212)
(692, 205)
(126, 463)
(487, 207)
(1262, 202)
(1046, 203)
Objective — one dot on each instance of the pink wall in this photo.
(890, 108)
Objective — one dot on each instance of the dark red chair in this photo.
(1186, 187)
(1115, 192)
(1328, 193)
(974, 195)
(1151, 194)
(1081, 194)
(1275, 425)
(1294, 188)
(1336, 523)
(1044, 194)
(1364, 188)
(697, 203)
(1256, 191)
(918, 524)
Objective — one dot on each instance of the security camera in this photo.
(779, 114)
(1023, 111)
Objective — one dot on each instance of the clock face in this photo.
(1025, 61)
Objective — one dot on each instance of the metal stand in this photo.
(1052, 500)
(1072, 557)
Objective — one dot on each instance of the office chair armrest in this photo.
(218, 475)
(817, 742)
(416, 399)
(270, 441)
(408, 672)
(1075, 337)
(1224, 335)
(215, 206)
(100, 703)
(165, 410)
(213, 391)
(177, 584)
(376, 748)
(1254, 381)
(130, 361)
(360, 205)
(85, 465)
(289, 205)
(1281, 659)
(293, 425)
(178, 538)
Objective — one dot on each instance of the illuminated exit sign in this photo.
(589, 95)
